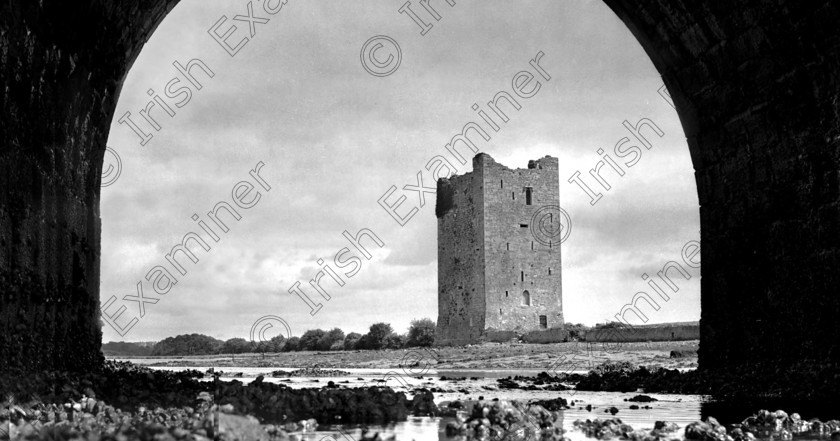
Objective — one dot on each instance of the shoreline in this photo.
(570, 357)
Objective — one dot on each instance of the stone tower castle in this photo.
(492, 273)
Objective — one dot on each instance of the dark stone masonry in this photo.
(757, 89)
(492, 273)
(755, 83)
(62, 64)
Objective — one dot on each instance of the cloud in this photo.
(334, 139)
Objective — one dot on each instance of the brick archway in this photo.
(757, 93)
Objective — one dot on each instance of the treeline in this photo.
(127, 348)
(379, 336)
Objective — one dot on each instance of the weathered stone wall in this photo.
(62, 67)
(461, 305)
(487, 259)
(757, 89)
(657, 332)
(515, 261)
(555, 335)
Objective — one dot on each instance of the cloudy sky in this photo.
(334, 138)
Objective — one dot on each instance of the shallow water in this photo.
(680, 409)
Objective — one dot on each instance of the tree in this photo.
(364, 342)
(421, 333)
(309, 340)
(126, 348)
(276, 343)
(332, 337)
(236, 346)
(351, 341)
(395, 341)
(376, 336)
(292, 344)
(260, 346)
(187, 344)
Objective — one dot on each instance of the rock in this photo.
(553, 404)
(423, 403)
(234, 427)
(507, 420)
(603, 429)
(665, 427)
(710, 430)
(642, 399)
(312, 372)
(683, 354)
(453, 429)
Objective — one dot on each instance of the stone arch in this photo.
(756, 89)
(526, 298)
(758, 97)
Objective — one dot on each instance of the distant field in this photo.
(484, 356)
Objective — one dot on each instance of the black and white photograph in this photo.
(420, 220)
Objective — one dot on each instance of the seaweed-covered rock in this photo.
(310, 372)
(423, 403)
(604, 429)
(276, 403)
(552, 404)
(642, 399)
(501, 420)
(708, 430)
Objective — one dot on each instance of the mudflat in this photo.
(571, 356)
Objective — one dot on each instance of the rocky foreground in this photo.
(89, 419)
(126, 402)
(517, 421)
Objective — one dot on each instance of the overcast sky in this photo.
(334, 138)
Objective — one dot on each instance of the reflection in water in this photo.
(680, 409)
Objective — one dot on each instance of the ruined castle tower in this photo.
(493, 273)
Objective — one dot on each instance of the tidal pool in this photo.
(472, 385)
